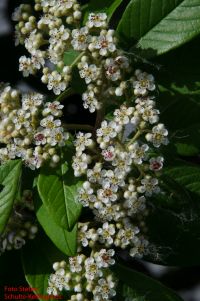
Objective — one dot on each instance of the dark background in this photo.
(185, 281)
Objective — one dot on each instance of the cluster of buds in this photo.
(47, 38)
(30, 128)
(100, 63)
(86, 278)
(21, 225)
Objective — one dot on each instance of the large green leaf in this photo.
(181, 69)
(141, 16)
(187, 175)
(58, 188)
(38, 257)
(174, 106)
(143, 287)
(160, 25)
(176, 240)
(10, 173)
(63, 239)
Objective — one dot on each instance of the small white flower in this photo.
(32, 101)
(139, 249)
(112, 70)
(50, 123)
(122, 61)
(91, 269)
(58, 35)
(54, 108)
(97, 20)
(109, 213)
(145, 101)
(124, 114)
(149, 186)
(104, 258)
(80, 164)
(7, 153)
(81, 38)
(82, 142)
(90, 101)
(107, 131)
(138, 153)
(31, 42)
(143, 83)
(109, 153)
(94, 175)
(122, 164)
(89, 72)
(84, 235)
(22, 118)
(105, 43)
(106, 233)
(57, 136)
(104, 290)
(26, 66)
(34, 162)
(48, 3)
(107, 193)
(37, 59)
(156, 164)
(158, 136)
(56, 83)
(63, 5)
(76, 263)
(149, 114)
(85, 195)
(134, 204)
(40, 138)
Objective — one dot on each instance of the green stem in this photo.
(65, 94)
(77, 59)
(137, 135)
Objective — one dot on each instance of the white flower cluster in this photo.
(100, 63)
(21, 225)
(122, 172)
(86, 278)
(47, 39)
(29, 128)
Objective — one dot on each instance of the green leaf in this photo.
(70, 57)
(160, 25)
(187, 141)
(143, 287)
(187, 175)
(174, 106)
(105, 6)
(176, 242)
(64, 240)
(10, 174)
(129, 294)
(38, 257)
(181, 72)
(58, 188)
